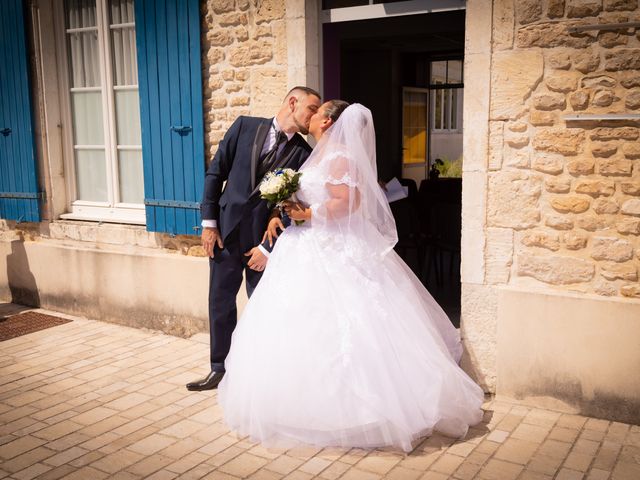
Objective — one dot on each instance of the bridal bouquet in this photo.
(280, 185)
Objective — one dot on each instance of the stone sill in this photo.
(100, 235)
(568, 293)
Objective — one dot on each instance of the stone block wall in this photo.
(563, 197)
(244, 62)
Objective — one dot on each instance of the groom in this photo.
(234, 219)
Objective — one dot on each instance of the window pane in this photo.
(131, 179)
(454, 109)
(80, 13)
(123, 47)
(454, 71)
(438, 72)
(437, 109)
(87, 118)
(91, 175)
(84, 57)
(447, 108)
(121, 11)
(123, 43)
(128, 117)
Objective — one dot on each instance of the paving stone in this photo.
(86, 459)
(315, 465)
(578, 461)
(571, 421)
(597, 424)
(151, 444)
(352, 474)
(434, 476)
(498, 436)
(65, 456)
(607, 456)
(516, 451)
(57, 472)
(182, 429)
(87, 473)
(264, 475)
(243, 465)
(34, 471)
(284, 464)
(136, 420)
(58, 430)
(162, 475)
(187, 463)
(566, 474)
(419, 461)
(467, 471)
(563, 434)
(533, 433)
(597, 474)
(588, 447)
(545, 465)
(555, 449)
(19, 446)
(378, 463)
(226, 455)
(500, 470)
(27, 459)
(528, 475)
(336, 469)
(401, 473)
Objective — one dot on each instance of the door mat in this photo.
(28, 322)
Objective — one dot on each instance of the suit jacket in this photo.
(236, 162)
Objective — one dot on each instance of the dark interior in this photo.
(369, 62)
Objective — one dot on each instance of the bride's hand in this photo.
(272, 230)
(297, 211)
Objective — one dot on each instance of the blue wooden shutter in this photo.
(18, 181)
(170, 81)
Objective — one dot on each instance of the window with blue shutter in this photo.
(168, 44)
(19, 197)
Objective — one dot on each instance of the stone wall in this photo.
(563, 204)
(244, 62)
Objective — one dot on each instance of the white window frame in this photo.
(111, 210)
(459, 91)
(395, 9)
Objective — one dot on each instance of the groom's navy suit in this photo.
(241, 216)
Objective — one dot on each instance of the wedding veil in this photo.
(357, 207)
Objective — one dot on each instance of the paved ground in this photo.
(90, 400)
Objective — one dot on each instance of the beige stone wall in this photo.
(244, 62)
(563, 205)
(549, 205)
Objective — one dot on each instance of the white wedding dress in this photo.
(340, 344)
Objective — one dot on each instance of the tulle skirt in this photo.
(343, 349)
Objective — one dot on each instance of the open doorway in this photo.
(408, 70)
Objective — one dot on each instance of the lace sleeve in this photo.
(342, 188)
(338, 169)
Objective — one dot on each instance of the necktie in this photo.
(269, 158)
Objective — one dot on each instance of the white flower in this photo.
(271, 184)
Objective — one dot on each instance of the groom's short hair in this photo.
(300, 89)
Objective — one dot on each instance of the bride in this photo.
(340, 344)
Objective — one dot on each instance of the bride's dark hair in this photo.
(335, 108)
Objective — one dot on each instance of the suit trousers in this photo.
(225, 279)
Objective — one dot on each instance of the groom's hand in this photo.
(257, 260)
(272, 230)
(211, 236)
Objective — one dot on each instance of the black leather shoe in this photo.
(209, 382)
